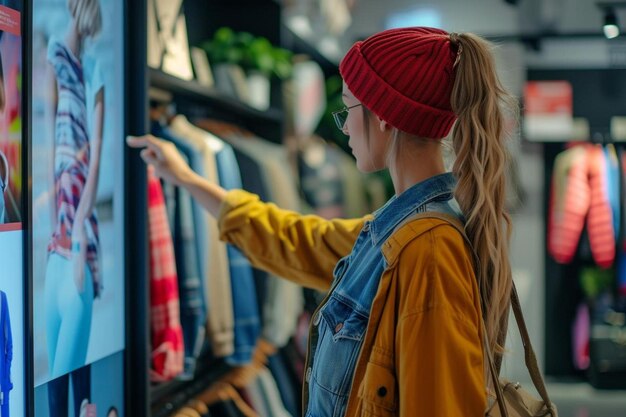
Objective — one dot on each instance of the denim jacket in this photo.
(340, 322)
(399, 333)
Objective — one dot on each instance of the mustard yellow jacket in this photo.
(423, 344)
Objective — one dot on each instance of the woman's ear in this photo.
(382, 125)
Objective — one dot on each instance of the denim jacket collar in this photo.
(399, 207)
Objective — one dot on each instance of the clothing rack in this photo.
(563, 280)
(168, 96)
(155, 92)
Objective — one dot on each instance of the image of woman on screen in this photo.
(72, 279)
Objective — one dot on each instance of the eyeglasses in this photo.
(341, 116)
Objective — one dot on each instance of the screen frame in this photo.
(135, 379)
(137, 352)
(27, 233)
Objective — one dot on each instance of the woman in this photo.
(72, 274)
(401, 331)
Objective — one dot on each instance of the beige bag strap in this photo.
(529, 353)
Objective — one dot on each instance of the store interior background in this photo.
(555, 39)
(559, 35)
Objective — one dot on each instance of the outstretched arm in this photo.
(303, 249)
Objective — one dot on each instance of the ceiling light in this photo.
(611, 28)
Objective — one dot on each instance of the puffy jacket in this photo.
(422, 353)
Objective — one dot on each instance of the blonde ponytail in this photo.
(478, 139)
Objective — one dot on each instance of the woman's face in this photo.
(368, 145)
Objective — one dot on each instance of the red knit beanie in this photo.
(405, 77)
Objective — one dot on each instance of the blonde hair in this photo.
(479, 141)
(87, 15)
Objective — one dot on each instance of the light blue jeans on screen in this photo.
(68, 316)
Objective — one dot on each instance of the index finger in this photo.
(143, 141)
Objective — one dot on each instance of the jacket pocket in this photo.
(343, 321)
(378, 392)
(341, 331)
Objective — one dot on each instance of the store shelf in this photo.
(195, 91)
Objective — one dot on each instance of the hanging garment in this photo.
(287, 388)
(219, 298)
(271, 395)
(621, 271)
(193, 309)
(614, 185)
(600, 216)
(581, 328)
(284, 300)
(193, 305)
(258, 402)
(167, 335)
(253, 181)
(581, 185)
(6, 344)
(245, 308)
(569, 203)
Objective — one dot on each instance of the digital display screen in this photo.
(12, 365)
(87, 392)
(12, 338)
(77, 195)
(10, 119)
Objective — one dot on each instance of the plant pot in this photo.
(259, 91)
(231, 81)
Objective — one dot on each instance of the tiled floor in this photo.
(582, 400)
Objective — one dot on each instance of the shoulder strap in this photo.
(529, 353)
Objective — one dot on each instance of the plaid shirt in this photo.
(167, 334)
(72, 159)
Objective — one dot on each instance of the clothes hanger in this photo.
(223, 392)
(199, 406)
(187, 412)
